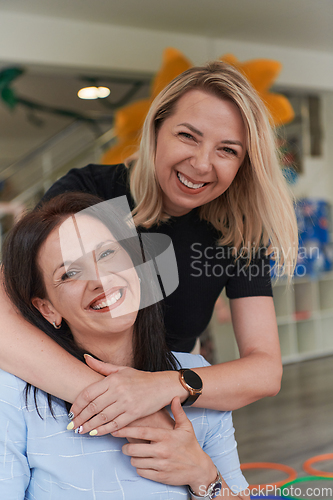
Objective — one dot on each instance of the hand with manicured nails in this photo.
(172, 456)
(159, 420)
(124, 396)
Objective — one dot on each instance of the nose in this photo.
(94, 284)
(92, 272)
(93, 276)
(98, 279)
(202, 161)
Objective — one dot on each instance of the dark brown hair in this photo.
(23, 279)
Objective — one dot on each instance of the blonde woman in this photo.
(207, 175)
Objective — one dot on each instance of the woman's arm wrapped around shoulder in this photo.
(127, 395)
(31, 355)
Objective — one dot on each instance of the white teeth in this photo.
(187, 183)
(109, 302)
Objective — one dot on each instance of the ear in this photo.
(47, 310)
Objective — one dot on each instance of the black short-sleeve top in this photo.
(204, 267)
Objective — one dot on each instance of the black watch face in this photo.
(192, 379)
(216, 490)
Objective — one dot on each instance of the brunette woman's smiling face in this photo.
(90, 281)
(199, 150)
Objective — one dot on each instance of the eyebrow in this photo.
(193, 129)
(238, 143)
(196, 131)
(63, 264)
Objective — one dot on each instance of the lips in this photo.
(108, 300)
(190, 186)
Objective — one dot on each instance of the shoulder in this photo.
(105, 181)
(12, 420)
(15, 471)
(114, 173)
(111, 180)
(250, 279)
(187, 360)
(11, 389)
(206, 422)
(14, 403)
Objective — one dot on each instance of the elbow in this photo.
(274, 389)
(273, 381)
(268, 375)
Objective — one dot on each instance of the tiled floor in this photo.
(291, 427)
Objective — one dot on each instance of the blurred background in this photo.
(49, 50)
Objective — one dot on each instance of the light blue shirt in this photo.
(41, 460)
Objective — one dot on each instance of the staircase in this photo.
(24, 182)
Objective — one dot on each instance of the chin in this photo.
(125, 319)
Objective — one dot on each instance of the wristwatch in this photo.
(213, 490)
(192, 383)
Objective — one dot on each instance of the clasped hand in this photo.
(124, 396)
(169, 456)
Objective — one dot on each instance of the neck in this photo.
(173, 211)
(116, 348)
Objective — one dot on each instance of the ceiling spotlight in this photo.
(93, 93)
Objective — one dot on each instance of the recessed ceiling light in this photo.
(93, 93)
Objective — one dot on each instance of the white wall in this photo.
(31, 39)
(58, 42)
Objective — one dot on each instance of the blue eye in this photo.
(68, 275)
(230, 150)
(106, 253)
(186, 135)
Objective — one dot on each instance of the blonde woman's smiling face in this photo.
(90, 280)
(199, 150)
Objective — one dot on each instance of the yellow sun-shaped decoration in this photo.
(129, 119)
(262, 73)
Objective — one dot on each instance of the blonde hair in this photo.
(257, 207)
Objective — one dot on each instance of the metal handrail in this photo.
(47, 163)
(18, 165)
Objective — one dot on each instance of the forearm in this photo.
(31, 355)
(257, 374)
(232, 385)
(228, 386)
